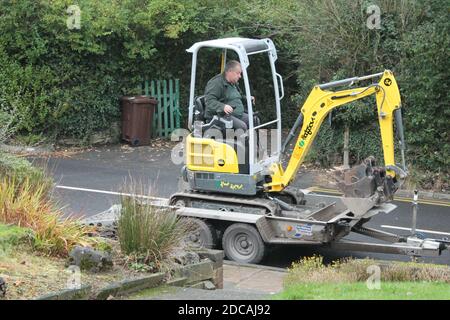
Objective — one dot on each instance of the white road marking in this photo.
(109, 192)
(420, 230)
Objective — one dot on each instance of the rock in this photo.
(186, 257)
(89, 259)
(204, 285)
(208, 285)
(3, 287)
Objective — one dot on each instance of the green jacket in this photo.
(220, 92)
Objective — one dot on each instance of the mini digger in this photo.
(245, 202)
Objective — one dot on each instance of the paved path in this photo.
(240, 283)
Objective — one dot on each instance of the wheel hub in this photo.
(243, 245)
(194, 237)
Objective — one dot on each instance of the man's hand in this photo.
(253, 99)
(228, 109)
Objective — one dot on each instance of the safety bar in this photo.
(281, 85)
(348, 81)
(265, 124)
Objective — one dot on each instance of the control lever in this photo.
(227, 121)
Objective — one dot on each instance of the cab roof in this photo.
(236, 43)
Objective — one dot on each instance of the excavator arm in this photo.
(321, 101)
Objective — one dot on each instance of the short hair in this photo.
(232, 64)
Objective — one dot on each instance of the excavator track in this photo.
(254, 205)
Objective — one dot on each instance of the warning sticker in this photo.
(303, 230)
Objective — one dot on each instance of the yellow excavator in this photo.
(234, 195)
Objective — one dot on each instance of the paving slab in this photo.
(241, 282)
(253, 278)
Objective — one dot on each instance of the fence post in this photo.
(172, 106)
(177, 103)
(166, 122)
(158, 97)
(155, 120)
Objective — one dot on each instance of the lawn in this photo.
(346, 279)
(360, 291)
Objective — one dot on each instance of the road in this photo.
(94, 177)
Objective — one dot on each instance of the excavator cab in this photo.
(231, 164)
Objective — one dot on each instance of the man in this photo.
(223, 97)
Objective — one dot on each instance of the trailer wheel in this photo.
(243, 243)
(201, 234)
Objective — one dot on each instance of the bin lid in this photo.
(140, 99)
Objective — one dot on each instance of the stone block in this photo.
(218, 278)
(197, 272)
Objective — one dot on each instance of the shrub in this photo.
(18, 169)
(312, 270)
(150, 233)
(28, 205)
(11, 235)
(25, 201)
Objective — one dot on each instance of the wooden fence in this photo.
(167, 112)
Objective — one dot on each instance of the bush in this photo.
(11, 235)
(312, 270)
(19, 169)
(28, 205)
(25, 201)
(150, 234)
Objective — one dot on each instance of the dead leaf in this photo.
(17, 283)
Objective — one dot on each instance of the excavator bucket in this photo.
(366, 185)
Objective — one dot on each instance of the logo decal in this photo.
(387, 82)
(308, 130)
(229, 185)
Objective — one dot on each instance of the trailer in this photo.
(244, 231)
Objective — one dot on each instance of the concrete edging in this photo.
(128, 286)
(210, 269)
(68, 294)
(255, 266)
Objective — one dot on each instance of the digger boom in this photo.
(321, 101)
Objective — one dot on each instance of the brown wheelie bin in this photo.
(137, 119)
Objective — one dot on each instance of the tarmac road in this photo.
(87, 183)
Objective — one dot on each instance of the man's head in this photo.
(233, 71)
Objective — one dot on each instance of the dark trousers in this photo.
(241, 123)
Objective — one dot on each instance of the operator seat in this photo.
(199, 107)
(199, 115)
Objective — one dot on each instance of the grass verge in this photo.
(359, 291)
(358, 279)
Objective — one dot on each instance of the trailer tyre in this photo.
(243, 243)
(201, 234)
